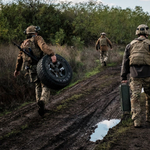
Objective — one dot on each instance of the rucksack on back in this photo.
(103, 41)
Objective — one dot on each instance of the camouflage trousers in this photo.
(42, 92)
(103, 56)
(136, 86)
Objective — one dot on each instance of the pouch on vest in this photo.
(103, 41)
(140, 54)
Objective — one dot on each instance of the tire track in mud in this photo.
(70, 129)
(78, 134)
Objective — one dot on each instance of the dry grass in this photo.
(13, 91)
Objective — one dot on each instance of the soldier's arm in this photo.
(18, 64)
(43, 46)
(125, 70)
(97, 45)
(19, 61)
(109, 43)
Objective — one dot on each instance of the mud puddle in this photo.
(102, 129)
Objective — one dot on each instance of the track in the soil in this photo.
(68, 130)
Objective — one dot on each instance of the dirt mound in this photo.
(72, 117)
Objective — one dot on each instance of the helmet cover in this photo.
(143, 30)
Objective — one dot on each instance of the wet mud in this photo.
(72, 117)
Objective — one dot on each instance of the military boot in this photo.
(41, 110)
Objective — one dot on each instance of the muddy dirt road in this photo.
(71, 120)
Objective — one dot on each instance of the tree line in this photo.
(68, 23)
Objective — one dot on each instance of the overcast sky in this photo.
(145, 4)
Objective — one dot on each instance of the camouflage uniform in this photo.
(103, 56)
(136, 85)
(39, 48)
(42, 92)
(102, 45)
(136, 62)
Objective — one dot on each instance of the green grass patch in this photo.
(93, 72)
(24, 127)
(14, 132)
(24, 104)
(5, 112)
(10, 134)
(111, 64)
(65, 103)
(67, 87)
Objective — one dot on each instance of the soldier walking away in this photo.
(36, 45)
(136, 61)
(102, 45)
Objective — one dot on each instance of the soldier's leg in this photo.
(38, 90)
(105, 56)
(101, 58)
(146, 86)
(34, 79)
(45, 95)
(136, 86)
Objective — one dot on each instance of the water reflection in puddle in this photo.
(102, 129)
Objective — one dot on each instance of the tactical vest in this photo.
(103, 41)
(35, 50)
(140, 52)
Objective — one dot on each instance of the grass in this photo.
(14, 132)
(65, 103)
(121, 129)
(7, 112)
(84, 63)
(112, 138)
(24, 104)
(93, 72)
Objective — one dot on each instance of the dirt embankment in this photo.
(71, 120)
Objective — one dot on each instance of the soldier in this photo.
(102, 45)
(136, 61)
(38, 46)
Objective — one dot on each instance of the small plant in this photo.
(24, 127)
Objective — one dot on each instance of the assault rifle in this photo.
(27, 53)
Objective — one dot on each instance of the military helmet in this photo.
(32, 29)
(103, 33)
(143, 30)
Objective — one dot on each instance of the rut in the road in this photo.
(70, 128)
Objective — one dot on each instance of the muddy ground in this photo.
(73, 114)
